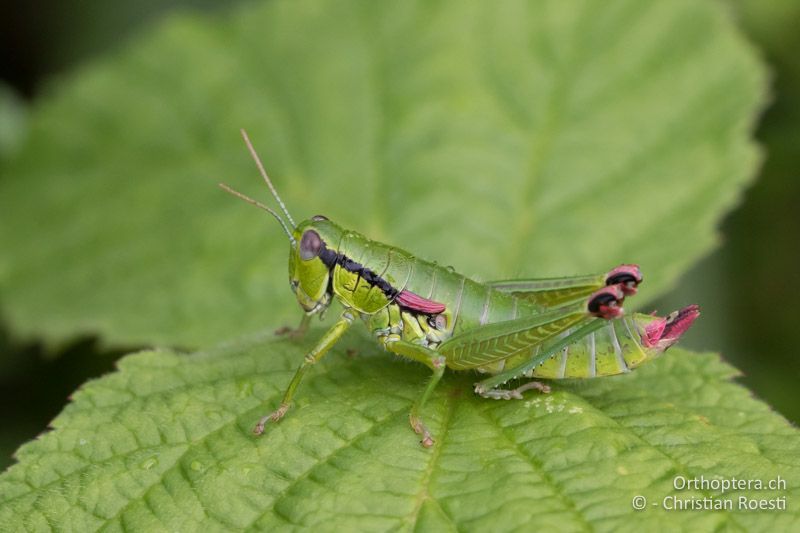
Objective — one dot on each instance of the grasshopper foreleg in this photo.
(514, 394)
(325, 343)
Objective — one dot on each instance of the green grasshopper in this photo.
(554, 328)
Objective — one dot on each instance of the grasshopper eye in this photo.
(310, 245)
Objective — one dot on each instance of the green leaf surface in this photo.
(165, 444)
(520, 139)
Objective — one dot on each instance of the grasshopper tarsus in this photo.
(295, 333)
(420, 429)
(279, 412)
(289, 332)
(513, 394)
(274, 416)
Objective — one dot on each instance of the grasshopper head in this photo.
(311, 258)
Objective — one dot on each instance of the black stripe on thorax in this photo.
(332, 258)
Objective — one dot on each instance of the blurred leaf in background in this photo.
(547, 137)
(13, 115)
(46, 37)
(35, 380)
(748, 289)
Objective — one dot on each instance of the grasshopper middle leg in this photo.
(432, 360)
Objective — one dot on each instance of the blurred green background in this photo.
(748, 288)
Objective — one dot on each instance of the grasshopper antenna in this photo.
(264, 175)
(262, 206)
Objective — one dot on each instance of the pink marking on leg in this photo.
(627, 276)
(606, 303)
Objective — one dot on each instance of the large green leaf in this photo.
(165, 444)
(525, 138)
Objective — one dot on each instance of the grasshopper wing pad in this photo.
(495, 342)
(550, 292)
